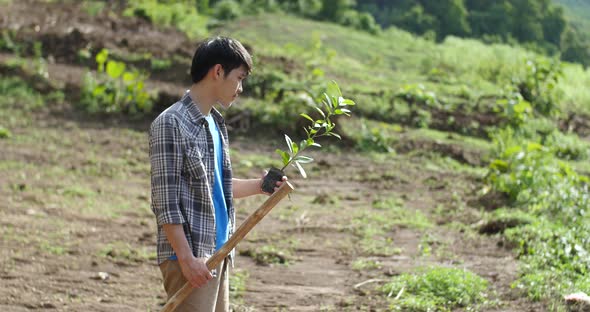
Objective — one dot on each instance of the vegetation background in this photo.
(460, 182)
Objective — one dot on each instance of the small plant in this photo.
(333, 105)
(160, 64)
(114, 88)
(365, 264)
(539, 85)
(436, 289)
(373, 138)
(4, 133)
(514, 108)
(268, 255)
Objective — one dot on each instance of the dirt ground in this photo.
(77, 232)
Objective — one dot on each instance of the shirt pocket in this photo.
(194, 163)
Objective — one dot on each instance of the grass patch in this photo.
(268, 255)
(436, 289)
(373, 227)
(93, 8)
(362, 264)
(17, 93)
(237, 284)
(394, 213)
(181, 15)
(122, 251)
(4, 133)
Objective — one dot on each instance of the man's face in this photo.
(231, 86)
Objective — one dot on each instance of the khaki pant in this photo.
(212, 297)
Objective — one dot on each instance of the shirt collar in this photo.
(194, 112)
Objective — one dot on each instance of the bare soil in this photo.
(77, 233)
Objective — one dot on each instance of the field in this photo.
(410, 199)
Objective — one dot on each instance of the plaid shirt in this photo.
(182, 173)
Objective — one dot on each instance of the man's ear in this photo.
(217, 71)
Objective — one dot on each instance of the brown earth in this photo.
(77, 232)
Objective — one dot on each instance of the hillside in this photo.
(579, 9)
(459, 185)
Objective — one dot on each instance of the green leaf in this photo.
(303, 159)
(99, 90)
(303, 174)
(303, 145)
(101, 58)
(129, 76)
(115, 69)
(512, 150)
(317, 72)
(139, 86)
(320, 111)
(335, 135)
(289, 143)
(294, 147)
(307, 117)
(532, 146)
(345, 102)
(328, 103)
(284, 155)
(499, 165)
(333, 90)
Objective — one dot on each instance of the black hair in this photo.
(227, 52)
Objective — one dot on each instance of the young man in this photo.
(191, 176)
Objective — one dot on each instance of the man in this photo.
(191, 176)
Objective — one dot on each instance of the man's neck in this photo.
(202, 98)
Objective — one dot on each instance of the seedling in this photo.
(333, 104)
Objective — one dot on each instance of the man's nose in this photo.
(240, 89)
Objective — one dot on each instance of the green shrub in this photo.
(159, 64)
(567, 146)
(4, 133)
(227, 10)
(16, 91)
(93, 8)
(556, 257)
(374, 139)
(8, 42)
(538, 86)
(360, 20)
(436, 289)
(554, 249)
(181, 15)
(115, 89)
(418, 94)
(514, 108)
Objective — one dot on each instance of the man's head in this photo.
(225, 62)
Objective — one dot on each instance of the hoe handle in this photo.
(240, 233)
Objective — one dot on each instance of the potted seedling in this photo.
(333, 104)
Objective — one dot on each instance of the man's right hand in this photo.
(195, 271)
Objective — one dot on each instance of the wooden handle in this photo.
(240, 233)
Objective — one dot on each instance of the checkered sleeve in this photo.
(166, 159)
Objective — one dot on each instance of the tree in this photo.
(527, 21)
(574, 49)
(554, 24)
(334, 10)
(451, 16)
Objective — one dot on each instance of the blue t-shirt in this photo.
(221, 217)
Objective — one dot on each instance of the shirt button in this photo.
(210, 150)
